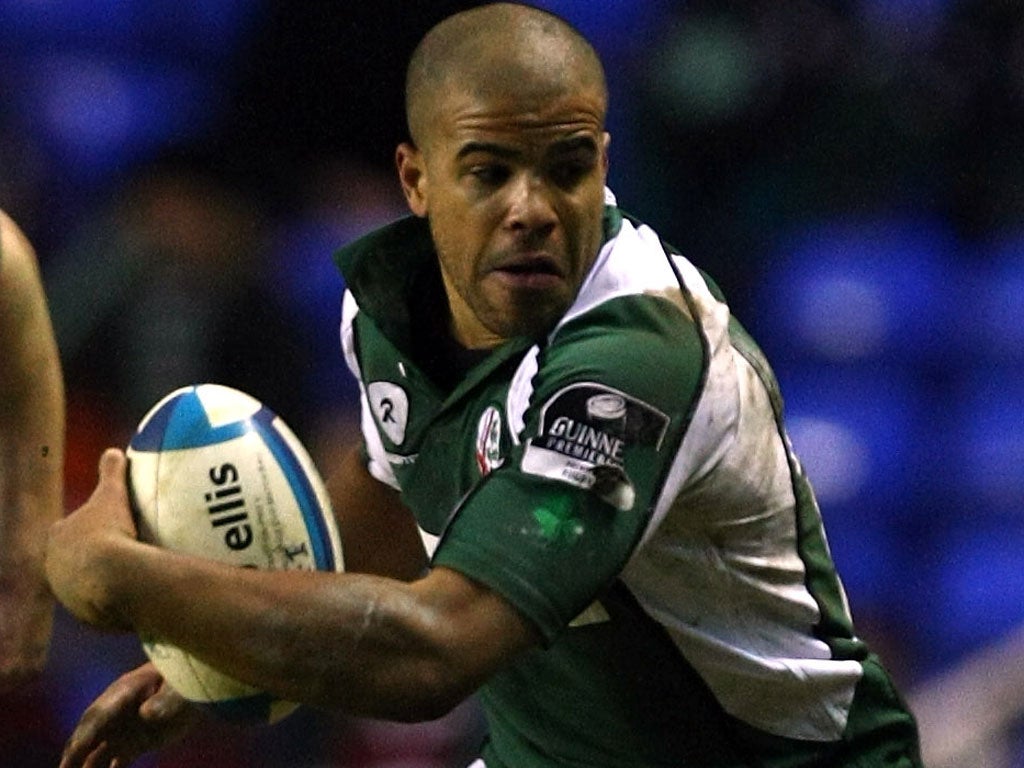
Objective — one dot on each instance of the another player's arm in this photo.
(365, 644)
(137, 713)
(31, 456)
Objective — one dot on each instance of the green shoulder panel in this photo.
(608, 411)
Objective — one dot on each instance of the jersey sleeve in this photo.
(604, 414)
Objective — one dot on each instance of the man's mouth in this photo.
(530, 273)
(531, 265)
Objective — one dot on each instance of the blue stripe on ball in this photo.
(182, 423)
(150, 436)
(305, 497)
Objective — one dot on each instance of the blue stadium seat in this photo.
(985, 469)
(104, 83)
(860, 439)
(974, 588)
(969, 535)
(995, 324)
(96, 116)
(128, 27)
(854, 291)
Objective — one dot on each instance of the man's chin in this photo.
(535, 320)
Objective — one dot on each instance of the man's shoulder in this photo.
(646, 322)
(639, 292)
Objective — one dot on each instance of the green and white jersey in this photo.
(627, 484)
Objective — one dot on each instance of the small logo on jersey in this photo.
(584, 434)
(390, 405)
(488, 441)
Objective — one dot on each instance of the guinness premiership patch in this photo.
(585, 431)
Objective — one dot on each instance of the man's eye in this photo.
(571, 172)
(491, 175)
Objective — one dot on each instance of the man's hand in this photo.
(80, 553)
(138, 713)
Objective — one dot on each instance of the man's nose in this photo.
(530, 205)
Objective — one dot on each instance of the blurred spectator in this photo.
(782, 113)
(165, 286)
(333, 200)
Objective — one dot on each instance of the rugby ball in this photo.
(214, 473)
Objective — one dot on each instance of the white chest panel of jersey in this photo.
(723, 575)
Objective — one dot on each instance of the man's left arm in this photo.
(31, 457)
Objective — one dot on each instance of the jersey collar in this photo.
(384, 267)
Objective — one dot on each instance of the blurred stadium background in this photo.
(851, 172)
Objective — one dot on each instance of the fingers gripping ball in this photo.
(214, 473)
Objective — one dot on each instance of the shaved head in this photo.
(500, 48)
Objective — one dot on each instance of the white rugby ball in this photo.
(214, 473)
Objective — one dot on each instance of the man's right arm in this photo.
(139, 712)
(365, 644)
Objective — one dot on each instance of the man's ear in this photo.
(412, 174)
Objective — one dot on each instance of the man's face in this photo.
(513, 186)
